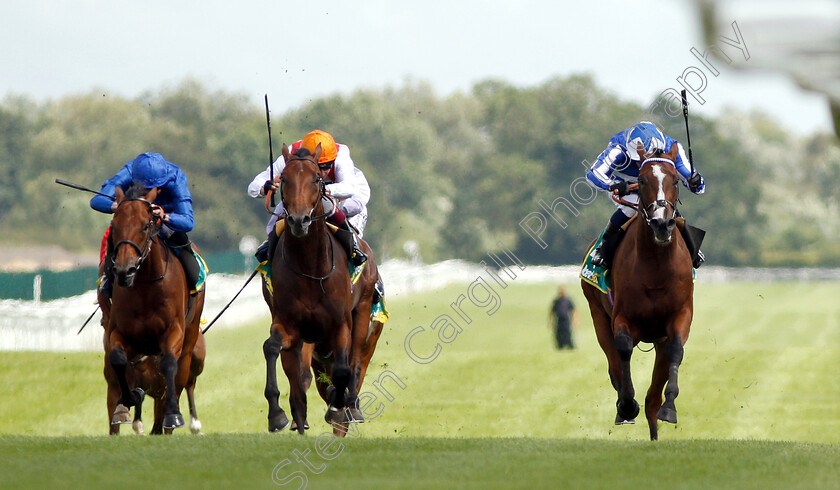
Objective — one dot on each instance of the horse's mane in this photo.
(136, 191)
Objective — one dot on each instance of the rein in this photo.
(316, 278)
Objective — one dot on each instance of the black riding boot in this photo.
(106, 282)
(603, 253)
(180, 241)
(345, 237)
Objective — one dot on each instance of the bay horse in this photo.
(150, 314)
(653, 297)
(318, 318)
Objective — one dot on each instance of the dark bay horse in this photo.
(653, 297)
(318, 319)
(149, 314)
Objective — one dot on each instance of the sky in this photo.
(298, 50)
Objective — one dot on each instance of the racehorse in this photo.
(653, 297)
(317, 316)
(151, 312)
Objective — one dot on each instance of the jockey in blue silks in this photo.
(173, 205)
(618, 166)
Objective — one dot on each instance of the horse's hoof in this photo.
(667, 415)
(294, 426)
(619, 420)
(335, 416)
(121, 415)
(278, 422)
(195, 426)
(138, 427)
(355, 416)
(627, 410)
(173, 421)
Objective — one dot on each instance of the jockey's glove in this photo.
(266, 187)
(694, 181)
(621, 187)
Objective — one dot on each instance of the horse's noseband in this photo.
(646, 210)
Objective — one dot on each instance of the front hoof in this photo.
(667, 414)
(195, 427)
(138, 427)
(619, 420)
(121, 415)
(335, 416)
(355, 416)
(628, 410)
(294, 426)
(173, 421)
(278, 422)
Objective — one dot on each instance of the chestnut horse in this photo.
(653, 297)
(151, 312)
(317, 317)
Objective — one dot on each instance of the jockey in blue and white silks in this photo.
(618, 166)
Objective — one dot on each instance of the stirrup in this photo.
(359, 257)
(598, 259)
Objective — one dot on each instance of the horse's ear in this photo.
(286, 153)
(119, 194)
(672, 153)
(318, 151)
(152, 194)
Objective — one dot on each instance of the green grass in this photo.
(499, 407)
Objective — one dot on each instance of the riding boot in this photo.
(262, 252)
(693, 237)
(106, 282)
(345, 237)
(186, 255)
(603, 253)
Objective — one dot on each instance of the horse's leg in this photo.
(277, 419)
(306, 374)
(118, 359)
(160, 409)
(113, 396)
(169, 367)
(370, 346)
(196, 367)
(653, 399)
(361, 334)
(626, 407)
(137, 425)
(341, 376)
(293, 367)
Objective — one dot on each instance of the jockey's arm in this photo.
(179, 209)
(345, 175)
(600, 174)
(683, 166)
(255, 188)
(121, 179)
(356, 203)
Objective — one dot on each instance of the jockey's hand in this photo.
(158, 212)
(694, 181)
(622, 188)
(268, 186)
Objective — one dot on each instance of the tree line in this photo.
(455, 174)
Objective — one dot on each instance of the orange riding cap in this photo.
(329, 150)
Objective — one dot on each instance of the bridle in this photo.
(322, 193)
(646, 210)
(152, 229)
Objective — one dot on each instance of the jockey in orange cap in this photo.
(344, 183)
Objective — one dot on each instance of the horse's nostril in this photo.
(131, 271)
(672, 222)
(306, 220)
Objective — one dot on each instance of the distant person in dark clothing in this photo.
(563, 315)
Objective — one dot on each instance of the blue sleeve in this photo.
(178, 203)
(600, 173)
(123, 179)
(683, 165)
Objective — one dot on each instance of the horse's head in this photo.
(132, 230)
(301, 189)
(658, 194)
